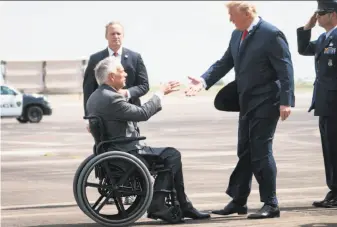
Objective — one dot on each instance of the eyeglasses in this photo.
(323, 12)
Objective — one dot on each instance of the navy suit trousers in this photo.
(255, 139)
(328, 131)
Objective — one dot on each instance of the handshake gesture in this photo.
(194, 87)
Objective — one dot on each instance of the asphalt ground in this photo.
(38, 162)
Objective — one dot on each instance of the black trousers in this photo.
(171, 158)
(255, 152)
(328, 131)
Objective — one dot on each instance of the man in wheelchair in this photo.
(120, 117)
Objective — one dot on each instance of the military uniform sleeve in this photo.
(304, 46)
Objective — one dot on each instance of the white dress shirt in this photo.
(329, 32)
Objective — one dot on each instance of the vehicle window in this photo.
(7, 91)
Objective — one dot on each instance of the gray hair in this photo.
(104, 67)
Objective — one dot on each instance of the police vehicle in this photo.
(24, 107)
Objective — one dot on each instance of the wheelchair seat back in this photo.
(97, 129)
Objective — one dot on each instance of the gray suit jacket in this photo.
(120, 116)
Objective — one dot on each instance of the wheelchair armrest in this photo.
(127, 139)
(120, 140)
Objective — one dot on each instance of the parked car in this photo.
(24, 107)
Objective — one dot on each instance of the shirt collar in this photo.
(329, 32)
(254, 23)
(111, 52)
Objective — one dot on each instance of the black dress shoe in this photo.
(266, 211)
(331, 203)
(167, 215)
(232, 208)
(325, 201)
(194, 214)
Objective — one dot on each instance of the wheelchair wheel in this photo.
(77, 175)
(120, 171)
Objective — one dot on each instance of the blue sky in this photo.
(176, 39)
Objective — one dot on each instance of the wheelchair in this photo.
(118, 174)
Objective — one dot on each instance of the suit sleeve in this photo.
(126, 111)
(142, 82)
(280, 58)
(89, 82)
(304, 46)
(219, 69)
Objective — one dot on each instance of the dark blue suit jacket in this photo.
(137, 80)
(324, 99)
(263, 67)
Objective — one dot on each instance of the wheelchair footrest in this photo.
(163, 190)
(162, 170)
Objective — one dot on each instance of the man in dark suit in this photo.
(137, 83)
(263, 91)
(119, 117)
(324, 99)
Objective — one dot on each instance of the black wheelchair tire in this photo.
(77, 175)
(84, 203)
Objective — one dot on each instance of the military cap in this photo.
(327, 5)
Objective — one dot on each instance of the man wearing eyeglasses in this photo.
(324, 100)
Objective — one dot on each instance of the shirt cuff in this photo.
(203, 82)
(160, 95)
(128, 96)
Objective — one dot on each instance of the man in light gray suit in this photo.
(120, 117)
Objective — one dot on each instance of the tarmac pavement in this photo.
(38, 162)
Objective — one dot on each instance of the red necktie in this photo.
(115, 54)
(244, 34)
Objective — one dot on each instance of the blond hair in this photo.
(243, 6)
(111, 23)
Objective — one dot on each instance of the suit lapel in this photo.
(125, 56)
(325, 43)
(105, 53)
(247, 39)
(236, 44)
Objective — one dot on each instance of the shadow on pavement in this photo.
(320, 225)
(214, 219)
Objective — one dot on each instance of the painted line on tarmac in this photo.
(192, 196)
(80, 159)
(297, 203)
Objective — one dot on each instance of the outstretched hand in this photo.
(194, 87)
(170, 87)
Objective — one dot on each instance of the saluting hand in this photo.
(284, 112)
(311, 23)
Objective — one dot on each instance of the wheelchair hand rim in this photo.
(85, 174)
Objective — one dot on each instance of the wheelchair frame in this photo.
(107, 189)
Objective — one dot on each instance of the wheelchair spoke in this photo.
(120, 207)
(97, 202)
(98, 186)
(126, 176)
(104, 202)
